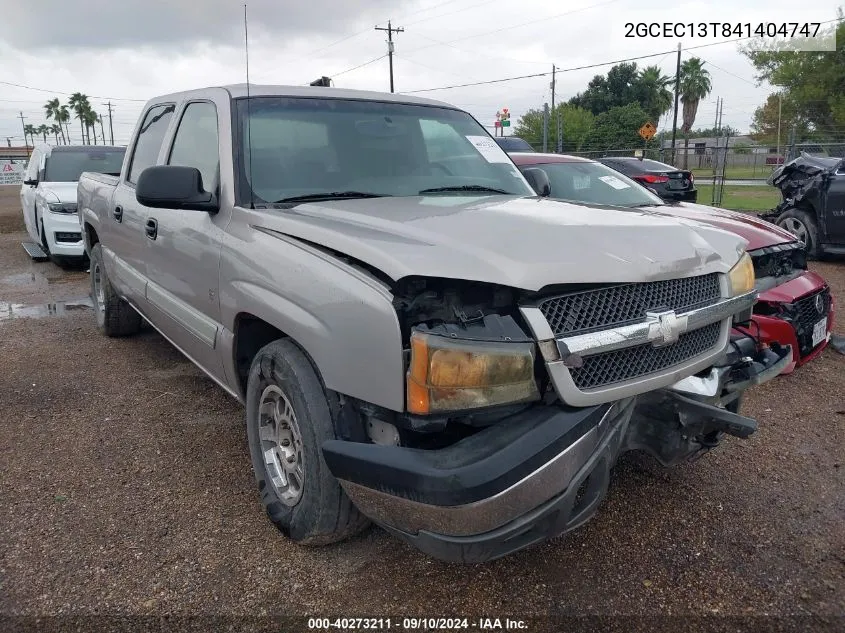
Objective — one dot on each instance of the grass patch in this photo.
(760, 172)
(740, 198)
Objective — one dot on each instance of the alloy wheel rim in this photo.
(796, 227)
(99, 295)
(281, 445)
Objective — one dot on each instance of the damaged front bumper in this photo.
(544, 471)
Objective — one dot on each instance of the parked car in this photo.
(429, 345)
(795, 306)
(48, 194)
(670, 183)
(513, 144)
(813, 205)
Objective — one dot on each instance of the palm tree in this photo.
(656, 98)
(64, 117)
(79, 103)
(52, 109)
(694, 86)
(91, 122)
(43, 130)
(56, 129)
(29, 130)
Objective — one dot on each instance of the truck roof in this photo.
(257, 90)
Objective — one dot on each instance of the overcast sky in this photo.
(131, 50)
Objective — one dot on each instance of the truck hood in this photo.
(757, 232)
(526, 243)
(62, 191)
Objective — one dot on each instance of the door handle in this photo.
(151, 228)
(117, 213)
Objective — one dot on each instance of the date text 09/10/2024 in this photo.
(416, 624)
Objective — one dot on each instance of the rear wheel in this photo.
(115, 317)
(288, 418)
(803, 226)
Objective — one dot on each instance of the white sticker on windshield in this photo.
(614, 182)
(489, 149)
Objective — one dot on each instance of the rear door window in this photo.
(195, 144)
(150, 138)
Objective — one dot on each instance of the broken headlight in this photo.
(450, 375)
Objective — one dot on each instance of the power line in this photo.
(349, 70)
(443, 15)
(560, 70)
(8, 83)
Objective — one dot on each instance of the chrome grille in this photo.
(591, 310)
(806, 315)
(609, 368)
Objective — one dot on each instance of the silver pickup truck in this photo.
(419, 339)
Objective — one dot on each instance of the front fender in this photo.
(343, 318)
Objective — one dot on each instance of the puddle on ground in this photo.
(10, 311)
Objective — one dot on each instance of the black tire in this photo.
(803, 225)
(44, 246)
(322, 513)
(115, 317)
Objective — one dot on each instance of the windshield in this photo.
(67, 166)
(306, 146)
(513, 144)
(594, 183)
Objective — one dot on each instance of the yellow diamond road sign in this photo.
(647, 131)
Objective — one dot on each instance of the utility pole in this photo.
(560, 131)
(102, 131)
(677, 94)
(780, 109)
(23, 126)
(390, 31)
(552, 86)
(545, 127)
(8, 141)
(111, 127)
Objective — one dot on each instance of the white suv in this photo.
(48, 194)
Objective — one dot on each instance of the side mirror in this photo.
(174, 187)
(31, 182)
(539, 181)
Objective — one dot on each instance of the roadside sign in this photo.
(647, 131)
(11, 172)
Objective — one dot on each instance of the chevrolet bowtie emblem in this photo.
(664, 328)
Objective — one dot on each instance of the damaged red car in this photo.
(795, 306)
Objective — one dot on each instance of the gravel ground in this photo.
(126, 491)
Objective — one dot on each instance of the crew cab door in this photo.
(124, 242)
(182, 247)
(834, 208)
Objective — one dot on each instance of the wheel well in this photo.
(251, 334)
(91, 235)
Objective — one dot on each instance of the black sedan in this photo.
(668, 182)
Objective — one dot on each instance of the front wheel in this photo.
(288, 418)
(803, 226)
(115, 317)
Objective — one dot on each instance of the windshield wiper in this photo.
(465, 188)
(332, 195)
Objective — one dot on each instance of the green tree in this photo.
(813, 83)
(652, 92)
(576, 125)
(52, 109)
(741, 148)
(619, 87)
(90, 118)
(695, 85)
(708, 132)
(56, 129)
(79, 103)
(30, 131)
(617, 129)
(63, 117)
(764, 125)
(43, 130)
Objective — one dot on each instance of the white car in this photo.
(48, 194)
